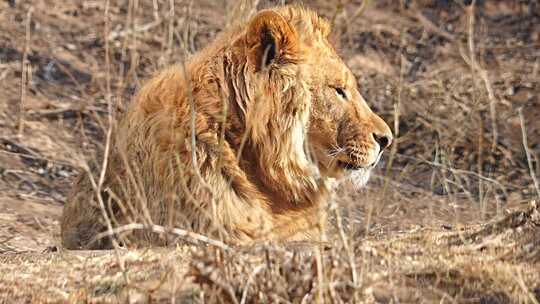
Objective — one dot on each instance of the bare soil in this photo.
(450, 216)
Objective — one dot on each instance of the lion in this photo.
(242, 142)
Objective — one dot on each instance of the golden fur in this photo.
(276, 113)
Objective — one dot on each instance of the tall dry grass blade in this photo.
(528, 152)
(25, 68)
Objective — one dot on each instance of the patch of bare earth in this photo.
(448, 217)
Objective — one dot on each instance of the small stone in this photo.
(71, 46)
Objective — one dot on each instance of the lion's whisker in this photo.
(336, 150)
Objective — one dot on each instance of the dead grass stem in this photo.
(25, 71)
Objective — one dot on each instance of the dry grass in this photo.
(449, 216)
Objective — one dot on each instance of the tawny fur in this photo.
(269, 131)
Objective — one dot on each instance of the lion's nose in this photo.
(384, 140)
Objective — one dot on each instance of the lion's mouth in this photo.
(348, 165)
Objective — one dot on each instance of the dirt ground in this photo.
(450, 216)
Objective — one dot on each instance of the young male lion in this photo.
(239, 142)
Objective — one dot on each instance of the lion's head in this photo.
(344, 135)
(314, 100)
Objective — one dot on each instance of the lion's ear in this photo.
(270, 38)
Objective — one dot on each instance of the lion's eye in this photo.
(341, 92)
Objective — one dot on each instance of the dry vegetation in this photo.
(449, 217)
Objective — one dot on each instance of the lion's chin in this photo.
(359, 177)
